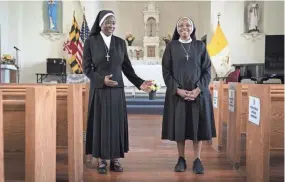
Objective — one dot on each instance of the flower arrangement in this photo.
(130, 38)
(167, 38)
(154, 86)
(7, 59)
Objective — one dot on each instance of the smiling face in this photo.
(184, 28)
(109, 25)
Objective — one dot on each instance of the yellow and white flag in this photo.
(219, 53)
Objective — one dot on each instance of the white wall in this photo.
(273, 17)
(4, 12)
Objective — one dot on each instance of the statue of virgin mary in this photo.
(52, 14)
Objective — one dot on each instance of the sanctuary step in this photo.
(142, 105)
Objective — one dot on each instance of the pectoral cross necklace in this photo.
(187, 55)
(107, 52)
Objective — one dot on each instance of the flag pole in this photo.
(219, 14)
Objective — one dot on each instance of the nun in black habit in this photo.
(104, 58)
(188, 111)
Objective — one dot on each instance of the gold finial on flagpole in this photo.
(219, 14)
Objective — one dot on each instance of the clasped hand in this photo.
(188, 95)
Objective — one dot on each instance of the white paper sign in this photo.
(215, 98)
(232, 100)
(254, 110)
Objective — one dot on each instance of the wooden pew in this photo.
(265, 133)
(41, 126)
(237, 123)
(40, 137)
(75, 137)
(234, 131)
(14, 114)
(217, 103)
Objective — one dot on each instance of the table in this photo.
(60, 77)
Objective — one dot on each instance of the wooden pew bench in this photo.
(265, 133)
(220, 105)
(40, 114)
(14, 127)
(237, 123)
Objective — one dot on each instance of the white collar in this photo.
(107, 39)
(185, 41)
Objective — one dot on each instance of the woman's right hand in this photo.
(109, 82)
(183, 93)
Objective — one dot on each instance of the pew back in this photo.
(265, 130)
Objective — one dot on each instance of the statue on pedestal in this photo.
(253, 17)
(52, 14)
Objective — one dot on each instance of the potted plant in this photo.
(154, 88)
(130, 38)
(167, 39)
(7, 59)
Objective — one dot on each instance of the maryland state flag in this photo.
(219, 52)
(74, 48)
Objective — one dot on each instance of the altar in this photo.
(147, 72)
(146, 59)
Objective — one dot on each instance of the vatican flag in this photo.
(219, 53)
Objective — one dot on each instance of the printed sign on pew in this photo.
(215, 98)
(254, 110)
(231, 100)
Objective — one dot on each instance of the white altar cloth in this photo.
(147, 72)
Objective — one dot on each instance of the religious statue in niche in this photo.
(151, 27)
(52, 14)
(253, 17)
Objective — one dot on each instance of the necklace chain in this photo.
(187, 55)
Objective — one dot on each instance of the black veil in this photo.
(176, 35)
(95, 30)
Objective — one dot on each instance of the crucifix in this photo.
(187, 56)
(107, 56)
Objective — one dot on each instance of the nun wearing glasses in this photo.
(104, 59)
(188, 110)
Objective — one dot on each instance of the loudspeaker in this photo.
(56, 66)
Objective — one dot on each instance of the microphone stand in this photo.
(17, 63)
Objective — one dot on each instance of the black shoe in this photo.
(102, 167)
(181, 165)
(198, 167)
(116, 166)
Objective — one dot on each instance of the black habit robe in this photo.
(107, 125)
(182, 120)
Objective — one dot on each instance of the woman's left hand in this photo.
(194, 94)
(145, 86)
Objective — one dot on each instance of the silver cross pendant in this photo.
(107, 56)
(187, 57)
